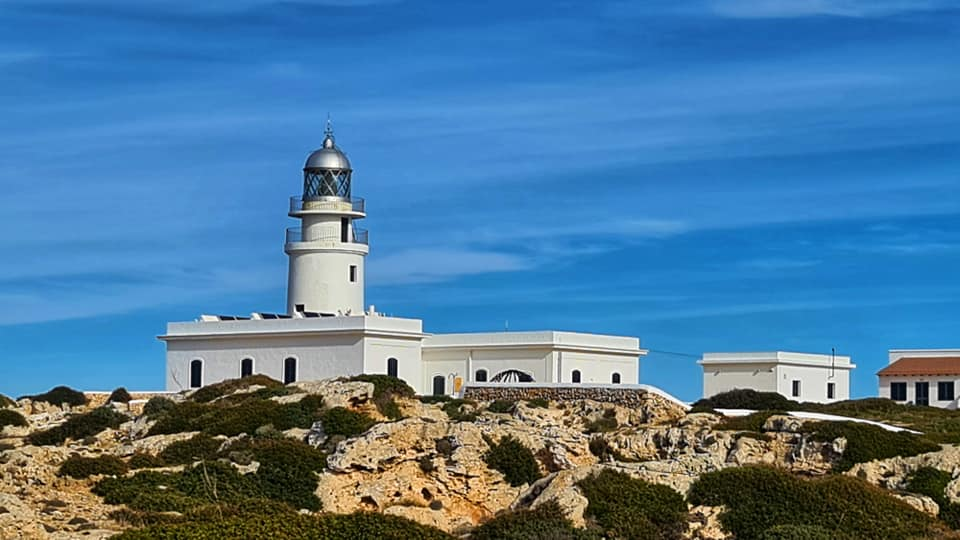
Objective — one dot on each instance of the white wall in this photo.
(813, 383)
(775, 372)
(597, 367)
(407, 352)
(725, 377)
(911, 381)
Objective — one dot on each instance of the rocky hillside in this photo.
(364, 458)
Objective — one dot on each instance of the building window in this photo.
(196, 374)
(439, 385)
(392, 368)
(921, 393)
(246, 367)
(289, 370)
(831, 390)
(615, 378)
(480, 376)
(898, 391)
(300, 308)
(945, 391)
(575, 376)
(796, 389)
(353, 273)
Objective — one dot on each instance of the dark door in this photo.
(289, 370)
(922, 390)
(439, 385)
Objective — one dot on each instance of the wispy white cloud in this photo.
(425, 265)
(808, 8)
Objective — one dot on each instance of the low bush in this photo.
(866, 442)
(759, 499)
(6, 402)
(232, 419)
(517, 463)
(286, 471)
(434, 399)
(60, 395)
(341, 421)
(546, 522)
(502, 406)
(538, 403)
(158, 405)
(120, 395)
(460, 410)
(83, 467)
(10, 417)
(748, 399)
(801, 532)
(933, 483)
(355, 526)
(752, 422)
(79, 426)
(197, 448)
(143, 460)
(211, 392)
(626, 507)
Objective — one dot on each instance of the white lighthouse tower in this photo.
(326, 251)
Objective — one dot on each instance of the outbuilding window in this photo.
(796, 389)
(439, 385)
(289, 370)
(246, 367)
(945, 391)
(615, 378)
(392, 368)
(196, 374)
(480, 375)
(575, 376)
(898, 391)
(831, 390)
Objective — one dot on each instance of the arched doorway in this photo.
(575, 376)
(480, 375)
(289, 370)
(392, 368)
(246, 367)
(439, 385)
(196, 373)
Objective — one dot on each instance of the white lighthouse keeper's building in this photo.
(326, 333)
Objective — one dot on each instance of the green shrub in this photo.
(502, 406)
(933, 483)
(120, 395)
(158, 405)
(546, 522)
(199, 447)
(430, 400)
(757, 499)
(752, 422)
(83, 467)
(748, 399)
(801, 532)
(514, 460)
(361, 525)
(626, 507)
(60, 395)
(125, 490)
(79, 426)
(286, 471)
(866, 442)
(538, 403)
(341, 421)
(385, 389)
(211, 392)
(10, 417)
(216, 482)
(143, 460)
(460, 410)
(234, 418)
(6, 402)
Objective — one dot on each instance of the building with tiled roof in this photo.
(922, 377)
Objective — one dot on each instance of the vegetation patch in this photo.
(517, 463)
(232, 419)
(502, 406)
(385, 390)
(546, 522)
(752, 422)
(60, 395)
(10, 417)
(538, 403)
(342, 421)
(120, 395)
(461, 410)
(213, 391)
(158, 405)
(83, 467)
(286, 472)
(293, 527)
(866, 442)
(434, 399)
(197, 448)
(933, 483)
(79, 426)
(758, 500)
(143, 460)
(747, 399)
(625, 507)
(6, 402)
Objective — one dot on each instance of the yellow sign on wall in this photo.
(457, 384)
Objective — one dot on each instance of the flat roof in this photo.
(778, 357)
(366, 324)
(922, 365)
(543, 338)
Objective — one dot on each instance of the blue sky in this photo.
(709, 175)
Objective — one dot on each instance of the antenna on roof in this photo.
(506, 325)
(833, 360)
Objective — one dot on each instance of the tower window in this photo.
(615, 378)
(392, 368)
(344, 230)
(196, 373)
(575, 376)
(246, 367)
(300, 308)
(289, 370)
(353, 273)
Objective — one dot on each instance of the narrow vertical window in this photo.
(576, 376)
(796, 389)
(831, 391)
(289, 370)
(392, 368)
(344, 230)
(246, 367)
(480, 375)
(196, 374)
(439, 385)
(353, 273)
(615, 378)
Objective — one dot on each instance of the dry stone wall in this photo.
(625, 396)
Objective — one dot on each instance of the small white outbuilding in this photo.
(820, 378)
(922, 377)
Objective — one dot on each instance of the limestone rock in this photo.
(892, 473)
(705, 524)
(920, 502)
(337, 393)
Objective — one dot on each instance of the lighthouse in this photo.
(327, 251)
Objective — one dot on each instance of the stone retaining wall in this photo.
(627, 396)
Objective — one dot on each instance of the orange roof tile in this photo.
(934, 365)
